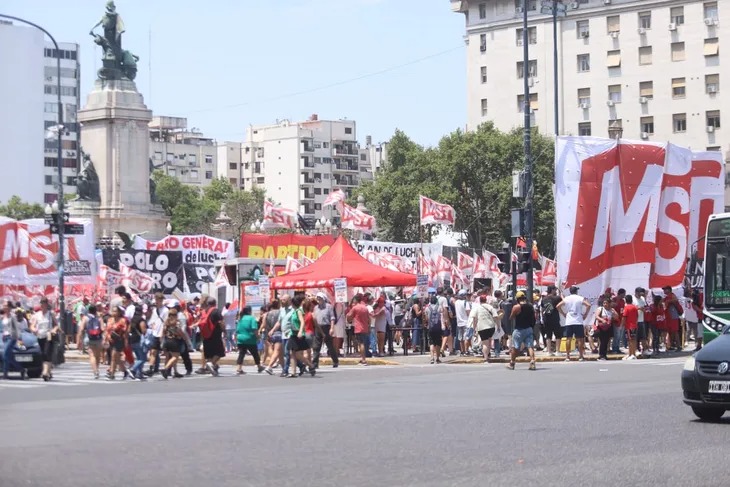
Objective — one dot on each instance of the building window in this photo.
(484, 107)
(259, 180)
(209, 175)
(169, 157)
(171, 171)
(679, 88)
(647, 125)
(325, 145)
(531, 35)
(50, 197)
(194, 174)
(613, 23)
(233, 166)
(645, 55)
(584, 97)
(713, 118)
(710, 9)
(326, 191)
(233, 181)
(531, 69)
(49, 162)
(679, 122)
(677, 51)
(533, 102)
(348, 130)
(483, 42)
(158, 156)
(646, 89)
(531, 5)
(318, 191)
(645, 20)
(712, 83)
(50, 107)
(582, 29)
(712, 46)
(483, 74)
(209, 158)
(677, 15)
(482, 11)
(192, 159)
(69, 163)
(614, 93)
(49, 180)
(71, 180)
(613, 59)
(615, 124)
(714, 148)
(363, 157)
(584, 63)
(257, 167)
(584, 129)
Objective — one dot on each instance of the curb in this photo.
(505, 360)
(249, 362)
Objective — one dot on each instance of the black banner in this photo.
(196, 275)
(165, 267)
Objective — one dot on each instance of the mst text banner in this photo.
(28, 253)
(628, 212)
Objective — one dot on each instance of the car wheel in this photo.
(708, 414)
(34, 373)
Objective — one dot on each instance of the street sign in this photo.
(73, 229)
(66, 217)
(50, 219)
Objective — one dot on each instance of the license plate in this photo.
(23, 358)
(719, 387)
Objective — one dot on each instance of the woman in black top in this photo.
(137, 330)
(172, 335)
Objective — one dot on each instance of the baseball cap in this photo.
(172, 303)
(520, 294)
(462, 292)
(574, 289)
(321, 295)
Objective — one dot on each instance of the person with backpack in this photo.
(436, 327)
(483, 319)
(136, 332)
(91, 333)
(211, 329)
(116, 337)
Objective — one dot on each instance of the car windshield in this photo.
(717, 274)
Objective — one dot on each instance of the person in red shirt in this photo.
(619, 332)
(630, 322)
(360, 317)
(658, 326)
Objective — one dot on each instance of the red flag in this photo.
(521, 243)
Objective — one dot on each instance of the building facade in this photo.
(300, 164)
(229, 163)
(185, 154)
(639, 69)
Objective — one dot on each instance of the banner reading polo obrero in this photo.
(627, 212)
(28, 253)
(433, 212)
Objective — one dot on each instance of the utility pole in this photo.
(527, 144)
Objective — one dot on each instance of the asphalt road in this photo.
(596, 424)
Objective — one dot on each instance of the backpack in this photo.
(93, 328)
(434, 318)
(206, 326)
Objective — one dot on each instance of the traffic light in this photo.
(524, 258)
(505, 257)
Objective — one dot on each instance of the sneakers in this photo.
(433, 361)
(240, 372)
(511, 366)
(532, 366)
(269, 370)
(312, 371)
(261, 368)
(213, 370)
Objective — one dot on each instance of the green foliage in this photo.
(17, 209)
(472, 171)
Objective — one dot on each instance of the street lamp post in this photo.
(257, 226)
(557, 9)
(59, 205)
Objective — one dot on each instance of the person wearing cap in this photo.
(324, 316)
(575, 309)
(462, 308)
(524, 315)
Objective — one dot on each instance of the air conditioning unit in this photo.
(574, 5)
(644, 135)
(712, 89)
(710, 129)
(531, 81)
(672, 26)
(614, 34)
(642, 31)
(643, 100)
(483, 48)
(585, 34)
(610, 103)
(519, 10)
(585, 106)
(709, 21)
(607, 2)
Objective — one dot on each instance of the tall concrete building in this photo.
(29, 106)
(300, 163)
(229, 163)
(639, 69)
(185, 154)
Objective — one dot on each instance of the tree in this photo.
(17, 209)
(244, 208)
(471, 171)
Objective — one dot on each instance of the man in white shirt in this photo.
(642, 336)
(155, 327)
(575, 308)
(462, 308)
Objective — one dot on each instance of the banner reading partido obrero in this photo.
(628, 212)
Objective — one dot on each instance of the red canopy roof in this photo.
(341, 260)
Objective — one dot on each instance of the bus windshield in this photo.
(717, 274)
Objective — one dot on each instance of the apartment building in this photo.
(638, 69)
(229, 163)
(29, 101)
(185, 154)
(300, 163)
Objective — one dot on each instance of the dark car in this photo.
(28, 356)
(706, 379)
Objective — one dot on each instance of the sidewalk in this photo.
(72, 355)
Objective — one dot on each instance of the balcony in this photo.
(345, 181)
(305, 179)
(344, 150)
(307, 147)
(305, 195)
(307, 162)
(346, 167)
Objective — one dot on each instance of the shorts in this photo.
(171, 345)
(523, 337)
(570, 331)
(154, 343)
(486, 334)
(297, 344)
(436, 337)
(275, 338)
(363, 339)
(633, 333)
(446, 332)
(465, 333)
(552, 331)
(117, 345)
(642, 335)
(46, 346)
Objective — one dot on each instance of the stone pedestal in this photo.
(115, 134)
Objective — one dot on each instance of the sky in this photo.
(225, 64)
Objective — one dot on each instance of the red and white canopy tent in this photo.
(342, 261)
